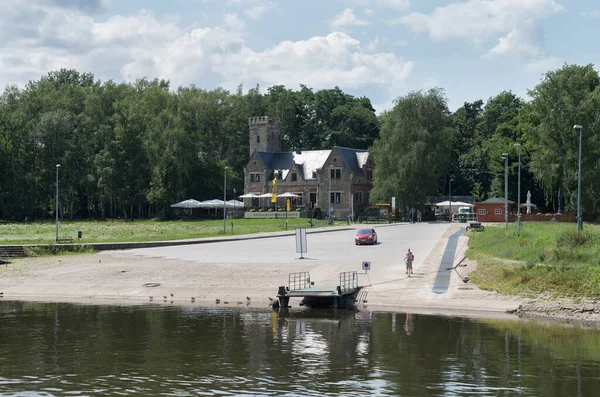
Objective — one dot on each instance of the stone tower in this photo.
(264, 134)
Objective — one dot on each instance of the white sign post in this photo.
(301, 242)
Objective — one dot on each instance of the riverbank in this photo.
(161, 276)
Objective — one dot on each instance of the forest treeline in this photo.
(131, 149)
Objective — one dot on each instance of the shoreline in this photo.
(118, 278)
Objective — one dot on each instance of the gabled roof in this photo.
(496, 200)
(309, 161)
(353, 159)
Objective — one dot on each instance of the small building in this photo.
(339, 177)
(492, 210)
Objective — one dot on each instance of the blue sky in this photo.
(382, 49)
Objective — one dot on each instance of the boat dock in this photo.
(344, 295)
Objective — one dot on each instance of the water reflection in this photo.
(58, 349)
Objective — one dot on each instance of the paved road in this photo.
(328, 253)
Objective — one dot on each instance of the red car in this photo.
(365, 236)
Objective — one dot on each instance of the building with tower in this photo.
(337, 179)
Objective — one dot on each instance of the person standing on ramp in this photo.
(408, 259)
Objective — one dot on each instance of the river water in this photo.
(83, 350)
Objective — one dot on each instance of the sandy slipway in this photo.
(233, 271)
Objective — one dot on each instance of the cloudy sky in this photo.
(381, 49)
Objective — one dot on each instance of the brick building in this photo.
(340, 177)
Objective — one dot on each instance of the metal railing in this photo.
(299, 280)
(348, 280)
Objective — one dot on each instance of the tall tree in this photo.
(413, 151)
(564, 98)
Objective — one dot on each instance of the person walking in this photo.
(408, 259)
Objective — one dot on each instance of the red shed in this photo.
(492, 210)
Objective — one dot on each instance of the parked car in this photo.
(365, 236)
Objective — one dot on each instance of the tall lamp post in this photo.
(450, 198)
(579, 223)
(329, 209)
(225, 200)
(505, 158)
(518, 146)
(57, 168)
(235, 199)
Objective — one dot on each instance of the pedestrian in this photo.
(408, 259)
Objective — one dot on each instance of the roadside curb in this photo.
(206, 240)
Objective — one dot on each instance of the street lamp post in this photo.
(225, 200)
(235, 199)
(450, 198)
(579, 223)
(518, 146)
(57, 168)
(505, 158)
(329, 210)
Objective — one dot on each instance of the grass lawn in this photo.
(143, 230)
(549, 258)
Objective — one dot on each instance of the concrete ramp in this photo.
(442, 281)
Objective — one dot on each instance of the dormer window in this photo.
(294, 177)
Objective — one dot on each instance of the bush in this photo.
(572, 238)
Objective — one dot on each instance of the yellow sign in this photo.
(274, 191)
(288, 205)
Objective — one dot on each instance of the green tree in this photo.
(413, 151)
(565, 97)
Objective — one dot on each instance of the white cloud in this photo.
(142, 45)
(373, 44)
(523, 41)
(254, 8)
(346, 18)
(515, 24)
(232, 21)
(369, 12)
(542, 65)
(400, 5)
(476, 20)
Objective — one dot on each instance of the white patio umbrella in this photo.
(264, 195)
(288, 195)
(234, 203)
(215, 203)
(248, 195)
(190, 203)
(454, 204)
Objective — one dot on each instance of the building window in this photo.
(482, 211)
(335, 197)
(279, 176)
(497, 211)
(335, 173)
(254, 177)
(358, 198)
(294, 177)
(258, 139)
(369, 175)
(314, 175)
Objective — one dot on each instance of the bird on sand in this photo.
(247, 298)
(193, 299)
(151, 298)
(165, 297)
(239, 302)
(172, 295)
(270, 299)
(217, 301)
(225, 302)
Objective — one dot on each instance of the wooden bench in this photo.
(475, 226)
